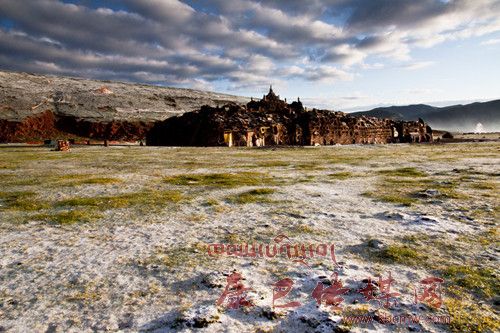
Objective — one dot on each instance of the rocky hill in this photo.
(36, 107)
(461, 118)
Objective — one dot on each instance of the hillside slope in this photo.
(41, 106)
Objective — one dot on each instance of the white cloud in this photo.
(376, 65)
(245, 42)
(420, 91)
(492, 41)
(324, 73)
(418, 65)
(291, 71)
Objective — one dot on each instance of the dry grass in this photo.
(260, 195)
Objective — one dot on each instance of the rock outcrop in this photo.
(37, 107)
(272, 121)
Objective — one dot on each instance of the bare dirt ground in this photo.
(115, 239)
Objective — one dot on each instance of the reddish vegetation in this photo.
(47, 125)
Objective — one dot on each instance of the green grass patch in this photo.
(485, 238)
(308, 166)
(399, 199)
(21, 200)
(88, 293)
(221, 179)
(215, 205)
(470, 317)
(196, 218)
(273, 164)
(400, 254)
(350, 160)
(483, 281)
(6, 177)
(483, 214)
(408, 191)
(416, 238)
(8, 166)
(144, 198)
(483, 186)
(61, 180)
(232, 238)
(211, 202)
(451, 193)
(403, 172)
(68, 217)
(408, 182)
(177, 257)
(439, 251)
(300, 230)
(24, 181)
(94, 181)
(260, 195)
(341, 175)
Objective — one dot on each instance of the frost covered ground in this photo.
(115, 239)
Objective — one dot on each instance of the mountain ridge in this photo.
(459, 117)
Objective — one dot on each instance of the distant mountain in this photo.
(459, 118)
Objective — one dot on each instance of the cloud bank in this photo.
(243, 43)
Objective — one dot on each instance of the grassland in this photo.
(116, 238)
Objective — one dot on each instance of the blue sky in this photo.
(336, 54)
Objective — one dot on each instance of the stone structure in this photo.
(272, 121)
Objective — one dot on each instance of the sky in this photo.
(337, 54)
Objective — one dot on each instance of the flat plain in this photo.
(115, 238)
